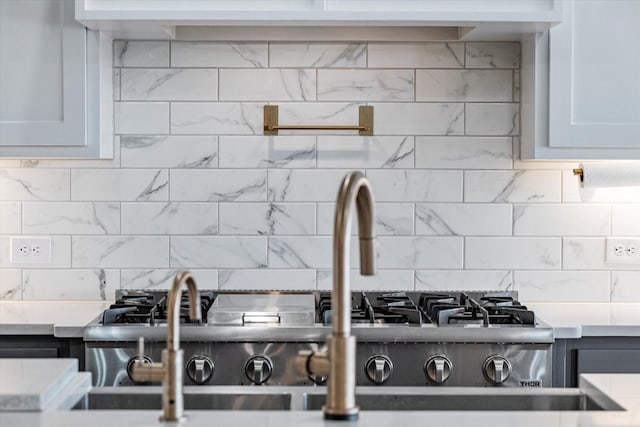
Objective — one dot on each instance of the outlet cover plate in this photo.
(622, 250)
(30, 250)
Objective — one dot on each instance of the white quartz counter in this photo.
(575, 320)
(58, 318)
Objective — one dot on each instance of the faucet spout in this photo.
(195, 313)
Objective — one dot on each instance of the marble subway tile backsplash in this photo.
(194, 183)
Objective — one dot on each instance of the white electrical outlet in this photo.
(622, 250)
(30, 250)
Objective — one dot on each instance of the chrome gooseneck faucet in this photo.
(339, 364)
(169, 371)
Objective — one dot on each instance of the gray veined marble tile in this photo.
(141, 117)
(10, 284)
(116, 84)
(45, 163)
(300, 252)
(34, 184)
(267, 85)
(71, 218)
(267, 151)
(416, 55)
(419, 118)
(218, 185)
(174, 84)
(76, 284)
(120, 251)
(457, 280)
(530, 253)
(169, 151)
(365, 152)
(267, 279)
(228, 118)
(10, 217)
(218, 54)
(464, 85)
(416, 185)
(493, 54)
(317, 55)
(162, 278)
(383, 280)
(459, 219)
(563, 286)
(300, 185)
(463, 152)
(392, 219)
(531, 186)
(420, 252)
(366, 85)
(60, 254)
(219, 252)
(140, 53)
(119, 184)
(267, 218)
(492, 119)
(170, 218)
(624, 220)
(624, 286)
(561, 220)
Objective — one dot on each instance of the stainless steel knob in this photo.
(496, 369)
(438, 368)
(200, 369)
(378, 369)
(258, 369)
(145, 359)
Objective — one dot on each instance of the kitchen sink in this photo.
(368, 398)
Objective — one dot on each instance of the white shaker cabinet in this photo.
(581, 84)
(55, 83)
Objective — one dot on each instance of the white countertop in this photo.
(58, 318)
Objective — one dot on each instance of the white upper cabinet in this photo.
(50, 83)
(589, 108)
(176, 18)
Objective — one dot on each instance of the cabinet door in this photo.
(48, 104)
(594, 82)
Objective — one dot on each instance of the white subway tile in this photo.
(169, 151)
(301, 252)
(218, 252)
(119, 184)
(169, 218)
(71, 218)
(169, 84)
(531, 186)
(420, 252)
(163, 278)
(366, 85)
(625, 220)
(267, 151)
(228, 118)
(141, 117)
(10, 217)
(365, 152)
(60, 254)
(464, 85)
(9, 163)
(570, 188)
(218, 55)
(267, 85)
(218, 185)
(419, 118)
(318, 55)
(463, 152)
(459, 219)
(416, 185)
(10, 284)
(116, 84)
(624, 286)
(300, 185)
(69, 285)
(392, 219)
(492, 119)
(267, 218)
(34, 184)
(562, 286)
(534, 253)
(467, 280)
(560, 220)
(493, 55)
(416, 55)
(585, 254)
(267, 279)
(384, 280)
(77, 163)
(120, 251)
(141, 53)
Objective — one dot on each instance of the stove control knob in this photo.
(438, 369)
(258, 369)
(200, 369)
(378, 369)
(145, 359)
(496, 369)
